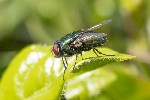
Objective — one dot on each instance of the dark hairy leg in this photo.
(64, 66)
(95, 50)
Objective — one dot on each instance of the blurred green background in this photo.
(24, 22)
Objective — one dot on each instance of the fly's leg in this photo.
(75, 61)
(64, 66)
(78, 51)
(95, 52)
(81, 55)
(66, 61)
(94, 49)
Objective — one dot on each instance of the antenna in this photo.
(99, 25)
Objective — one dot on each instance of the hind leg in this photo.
(96, 51)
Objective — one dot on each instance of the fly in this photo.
(78, 41)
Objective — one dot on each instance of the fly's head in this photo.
(56, 50)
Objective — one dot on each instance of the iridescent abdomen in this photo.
(90, 40)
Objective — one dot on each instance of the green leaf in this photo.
(92, 62)
(32, 75)
(108, 84)
(35, 74)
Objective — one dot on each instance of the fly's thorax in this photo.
(69, 38)
(63, 47)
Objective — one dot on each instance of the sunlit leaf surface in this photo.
(35, 74)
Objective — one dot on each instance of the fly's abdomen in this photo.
(94, 43)
(89, 40)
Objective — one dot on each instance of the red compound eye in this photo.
(56, 48)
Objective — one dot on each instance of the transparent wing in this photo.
(90, 38)
(87, 37)
(98, 25)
